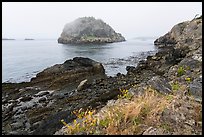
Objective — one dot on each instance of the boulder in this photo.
(195, 87)
(71, 71)
(160, 84)
(89, 30)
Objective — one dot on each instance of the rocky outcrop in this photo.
(176, 48)
(188, 44)
(37, 107)
(185, 32)
(71, 71)
(89, 30)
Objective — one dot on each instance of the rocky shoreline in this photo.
(36, 107)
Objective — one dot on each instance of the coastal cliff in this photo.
(161, 95)
(89, 30)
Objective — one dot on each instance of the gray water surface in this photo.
(22, 60)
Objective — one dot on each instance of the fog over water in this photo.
(45, 20)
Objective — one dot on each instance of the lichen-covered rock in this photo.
(195, 87)
(185, 44)
(160, 84)
(89, 30)
(185, 32)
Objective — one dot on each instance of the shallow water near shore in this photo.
(22, 60)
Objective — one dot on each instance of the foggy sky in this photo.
(43, 20)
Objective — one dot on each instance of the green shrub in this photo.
(175, 86)
(125, 94)
(180, 71)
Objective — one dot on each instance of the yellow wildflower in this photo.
(188, 79)
(64, 123)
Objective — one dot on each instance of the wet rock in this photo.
(22, 90)
(18, 132)
(18, 116)
(17, 125)
(12, 101)
(43, 99)
(141, 65)
(71, 71)
(160, 84)
(41, 93)
(13, 133)
(9, 107)
(35, 125)
(130, 69)
(23, 108)
(59, 96)
(4, 100)
(26, 98)
(19, 111)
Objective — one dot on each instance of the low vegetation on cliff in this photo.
(168, 104)
(150, 113)
(162, 95)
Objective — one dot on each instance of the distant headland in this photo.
(7, 39)
(28, 39)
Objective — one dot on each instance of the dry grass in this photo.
(133, 116)
(126, 118)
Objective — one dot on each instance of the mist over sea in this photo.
(23, 59)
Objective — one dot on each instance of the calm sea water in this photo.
(22, 60)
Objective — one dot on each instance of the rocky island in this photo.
(7, 39)
(162, 95)
(89, 30)
(28, 39)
